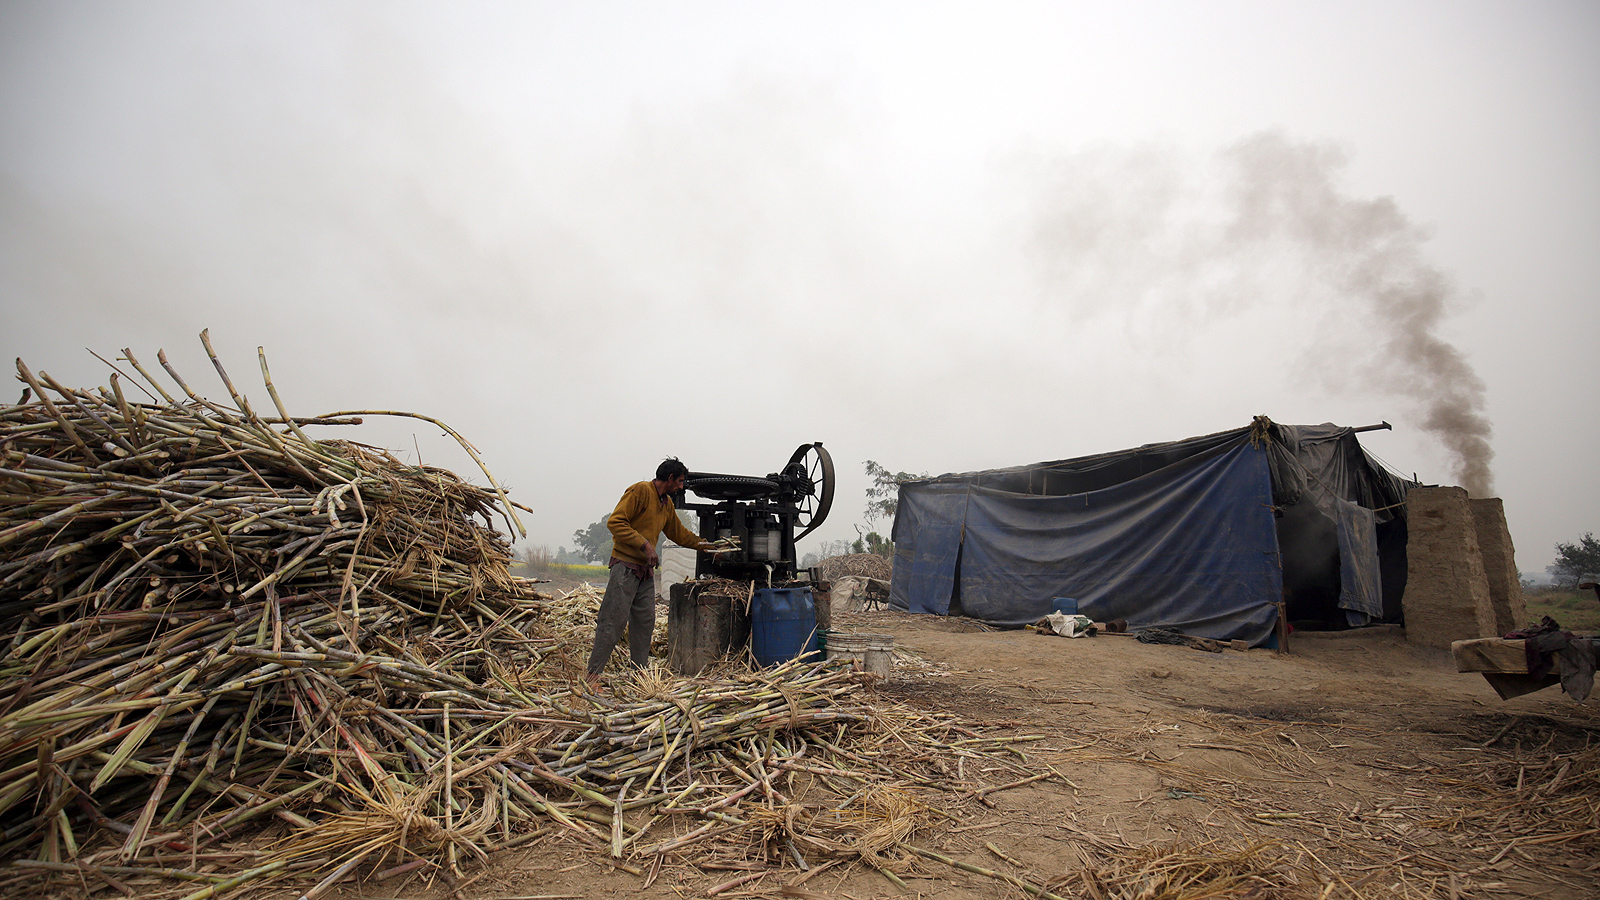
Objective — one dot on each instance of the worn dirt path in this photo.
(1356, 753)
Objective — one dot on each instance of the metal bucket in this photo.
(874, 653)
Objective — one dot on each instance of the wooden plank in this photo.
(1282, 628)
(1499, 655)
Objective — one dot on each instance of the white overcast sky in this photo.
(942, 236)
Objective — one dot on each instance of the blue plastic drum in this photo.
(1065, 605)
(783, 625)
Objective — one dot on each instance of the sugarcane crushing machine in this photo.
(761, 514)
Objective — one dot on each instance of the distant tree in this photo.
(830, 549)
(880, 545)
(1577, 562)
(593, 542)
(883, 497)
(809, 560)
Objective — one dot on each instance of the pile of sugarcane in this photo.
(126, 504)
(235, 654)
(213, 620)
(864, 565)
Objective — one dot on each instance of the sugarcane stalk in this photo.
(1037, 890)
(334, 877)
(616, 821)
(243, 878)
(142, 824)
(50, 408)
(510, 509)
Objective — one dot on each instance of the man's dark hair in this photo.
(670, 468)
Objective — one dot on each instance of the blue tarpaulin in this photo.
(1182, 535)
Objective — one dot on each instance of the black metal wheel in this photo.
(817, 466)
(729, 487)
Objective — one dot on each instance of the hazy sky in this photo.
(942, 236)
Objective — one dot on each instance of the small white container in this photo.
(874, 653)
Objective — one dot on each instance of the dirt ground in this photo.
(1356, 754)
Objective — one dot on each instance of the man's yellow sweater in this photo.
(640, 517)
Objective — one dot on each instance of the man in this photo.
(645, 510)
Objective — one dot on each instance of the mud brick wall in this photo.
(1447, 590)
(1499, 565)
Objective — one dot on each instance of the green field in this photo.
(1574, 610)
(561, 571)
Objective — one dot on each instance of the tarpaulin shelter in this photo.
(1206, 535)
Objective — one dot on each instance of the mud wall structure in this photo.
(1499, 565)
(1461, 572)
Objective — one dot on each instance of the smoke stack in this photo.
(1372, 256)
(1268, 223)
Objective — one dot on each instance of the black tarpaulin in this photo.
(1179, 535)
